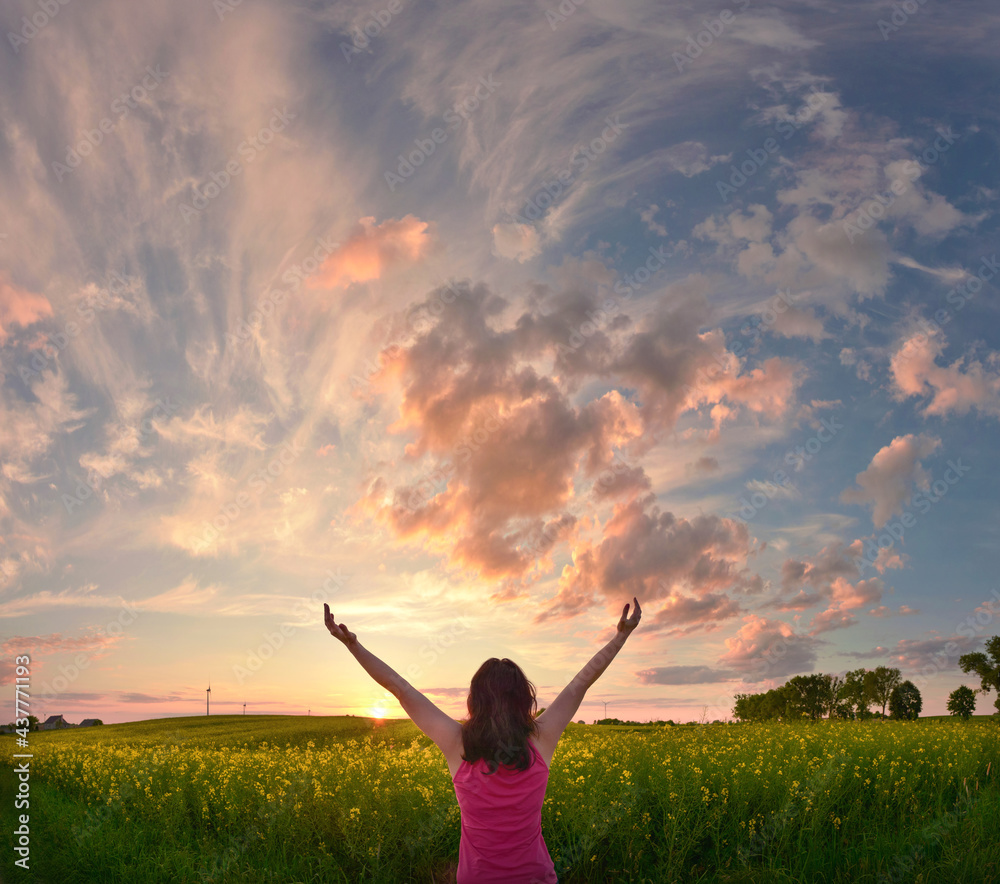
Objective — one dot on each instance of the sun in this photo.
(378, 711)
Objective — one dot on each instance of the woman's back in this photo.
(502, 823)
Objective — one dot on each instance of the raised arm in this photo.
(552, 722)
(438, 725)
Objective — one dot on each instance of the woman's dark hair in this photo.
(502, 706)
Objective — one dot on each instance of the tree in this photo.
(905, 701)
(833, 706)
(856, 693)
(806, 695)
(884, 680)
(962, 701)
(987, 668)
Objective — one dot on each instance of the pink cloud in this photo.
(371, 250)
(957, 388)
(647, 553)
(888, 481)
(19, 307)
(764, 649)
(503, 444)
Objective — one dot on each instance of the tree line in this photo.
(853, 695)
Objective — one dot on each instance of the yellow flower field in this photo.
(858, 801)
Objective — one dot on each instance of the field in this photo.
(293, 799)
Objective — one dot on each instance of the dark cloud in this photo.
(685, 675)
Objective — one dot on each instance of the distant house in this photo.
(90, 722)
(54, 722)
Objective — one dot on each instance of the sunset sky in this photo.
(476, 320)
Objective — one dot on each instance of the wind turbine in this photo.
(207, 693)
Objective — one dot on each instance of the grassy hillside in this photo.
(214, 731)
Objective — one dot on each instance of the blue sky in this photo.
(476, 322)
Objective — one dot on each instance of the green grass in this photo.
(317, 799)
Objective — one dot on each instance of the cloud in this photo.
(135, 697)
(964, 385)
(519, 242)
(648, 215)
(888, 481)
(685, 675)
(644, 552)
(800, 323)
(19, 307)
(29, 430)
(507, 440)
(703, 465)
(834, 561)
(844, 597)
(676, 367)
(56, 643)
(832, 618)
(932, 655)
(763, 649)
(884, 611)
(68, 696)
(371, 250)
(888, 558)
(690, 158)
(825, 580)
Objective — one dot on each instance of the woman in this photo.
(500, 775)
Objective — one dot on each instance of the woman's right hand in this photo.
(627, 624)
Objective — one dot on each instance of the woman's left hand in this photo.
(339, 630)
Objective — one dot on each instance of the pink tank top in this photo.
(502, 824)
